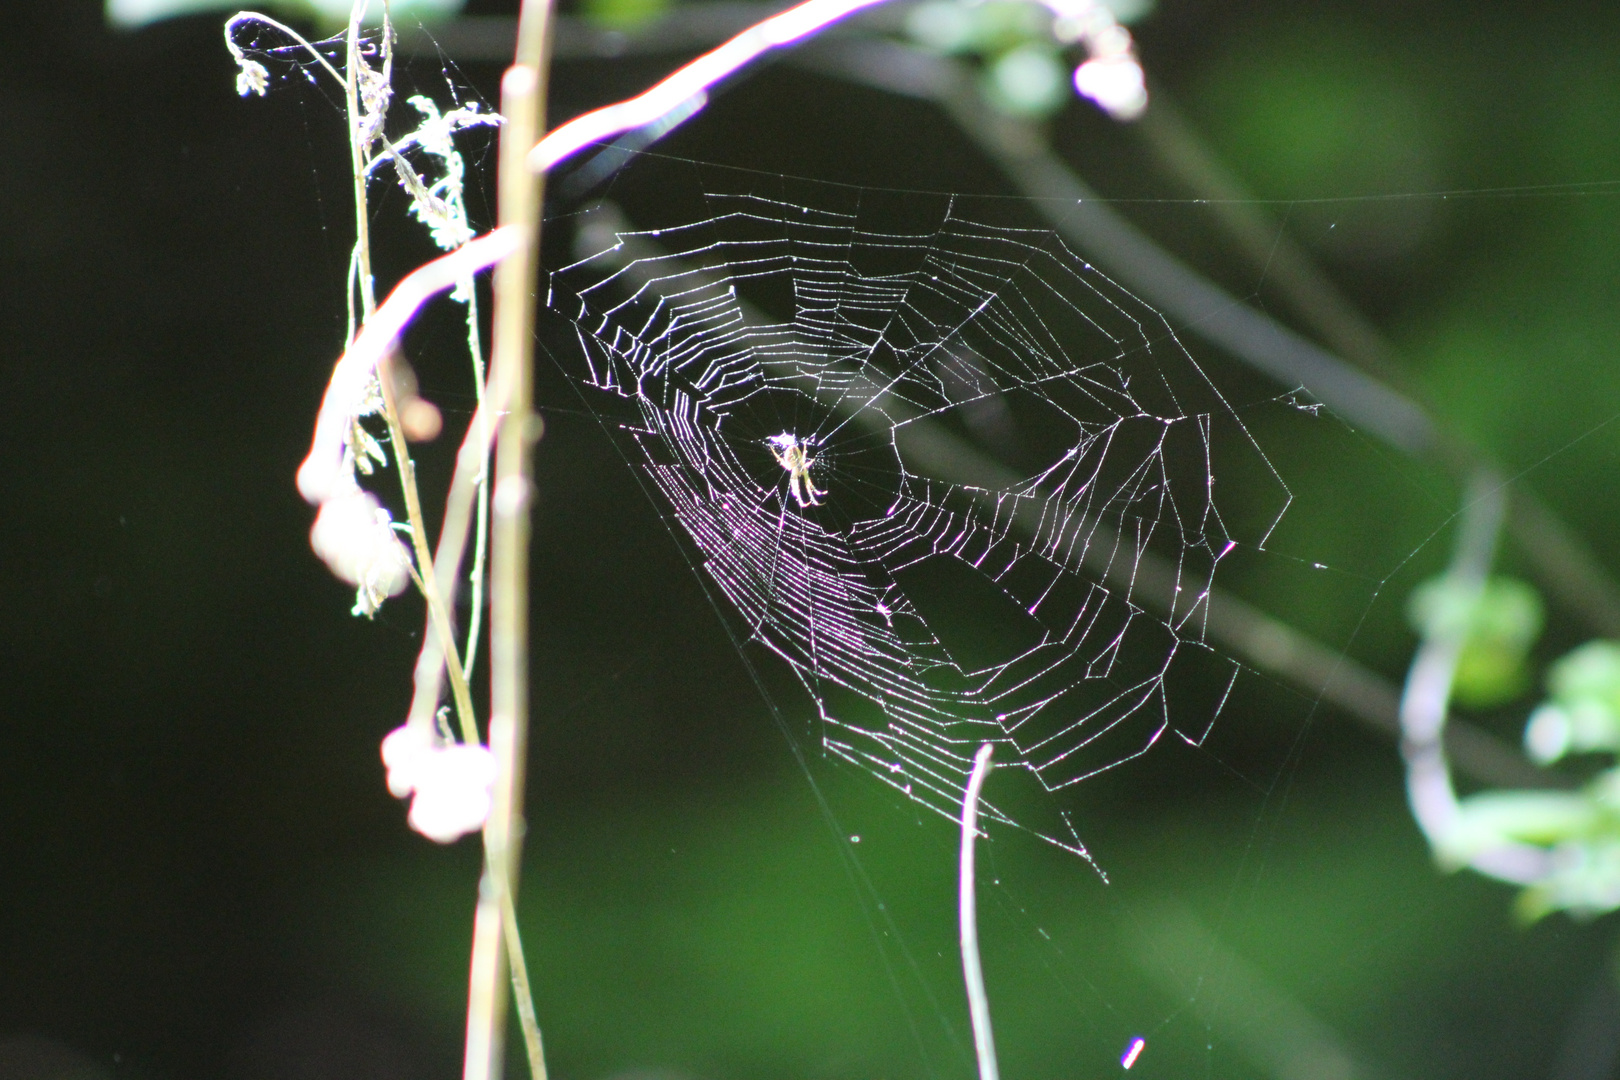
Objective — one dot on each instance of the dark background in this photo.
(201, 873)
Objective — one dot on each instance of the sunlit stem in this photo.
(468, 492)
(689, 84)
(522, 995)
(984, 1042)
(512, 353)
(358, 153)
(337, 409)
(475, 576)
(321, 469)
(437, 601)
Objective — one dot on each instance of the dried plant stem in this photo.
(357, 169)
(359, 165)
(528, 1022)
(984, 1042)
(437, 602)
(466, 487)
(467, 491)
(688, 85)
(475, 576)
(507, 393)
(519, 196)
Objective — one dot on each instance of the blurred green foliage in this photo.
(1497, 624)
(623, 14)
(1022, 67)
(1580, 830)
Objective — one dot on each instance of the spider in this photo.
(793, 454)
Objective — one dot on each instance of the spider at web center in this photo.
(793, 454)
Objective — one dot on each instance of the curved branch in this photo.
(322, 469)
(691, 82)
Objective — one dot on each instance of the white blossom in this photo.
(1115, 83)
(403, 751)
(354, 536)
(251, 77)
(452, 786)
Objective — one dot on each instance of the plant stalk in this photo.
(519, 201)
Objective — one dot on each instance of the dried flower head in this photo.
(451, 785)
(354, 536)
(251, 77)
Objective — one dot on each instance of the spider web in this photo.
(1018, 533)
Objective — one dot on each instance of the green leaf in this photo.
(623, 14)
(1498, 623)
(1586, 883)
(1488, 674)
(1506, 612)
(1591, 674)
(1494, 818)
(998, 26)
(1028, 81)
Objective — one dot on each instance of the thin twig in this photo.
(984, 1042)
(528, 1022)
(519, 199)
(362, 129)
(239, 55)
(475, 575)
(361, 279)
(321, 470)
(437, 601)
(323, 467)
(466, 490)
(358, 165)
(370, 338)
(691, 82)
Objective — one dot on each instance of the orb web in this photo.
(1011, 529)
